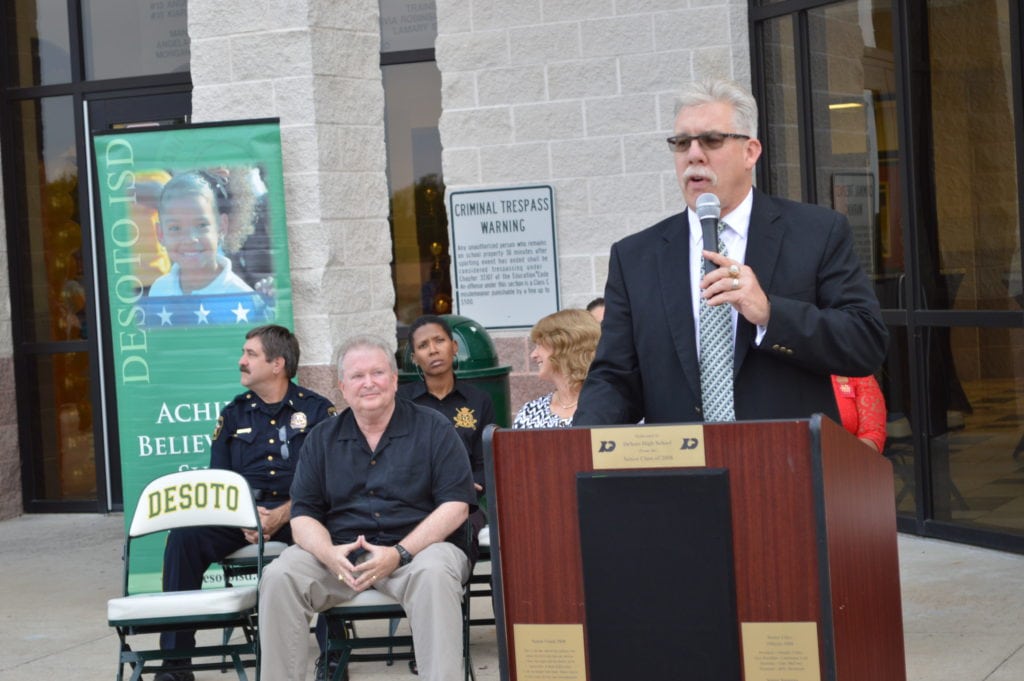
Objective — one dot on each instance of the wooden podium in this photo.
(803, 510)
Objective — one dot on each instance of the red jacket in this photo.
(861, 407)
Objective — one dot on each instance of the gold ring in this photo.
(734, 271)
(735, 284)
(373, 577)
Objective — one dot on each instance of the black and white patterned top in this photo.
(537, 414)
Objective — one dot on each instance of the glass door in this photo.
(902, 115)
(67, 67)
(967, 239)
(110, 114)
(50, 314)
(419, 223)
(70, 463)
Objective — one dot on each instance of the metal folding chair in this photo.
(480, 580)
(374, 605)
(210, 497)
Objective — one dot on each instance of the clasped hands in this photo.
(736, 285)
(271, 520)
(382, 561)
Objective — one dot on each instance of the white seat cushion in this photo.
(271, 549)
(167, 604)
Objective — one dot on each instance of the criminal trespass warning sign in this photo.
(504, 256)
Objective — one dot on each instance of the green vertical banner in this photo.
(194, 253)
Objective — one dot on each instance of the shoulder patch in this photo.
(220, 425)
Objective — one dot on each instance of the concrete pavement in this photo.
(963, 607)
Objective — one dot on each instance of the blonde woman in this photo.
(564, 346)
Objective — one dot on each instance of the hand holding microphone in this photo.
(742, 292)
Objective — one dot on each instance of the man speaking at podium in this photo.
(750, 327)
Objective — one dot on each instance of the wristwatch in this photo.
(404, 557)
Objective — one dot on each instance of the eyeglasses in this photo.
(708, 140)
(282, 435)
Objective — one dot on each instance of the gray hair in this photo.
(364, 342)
(726, 92)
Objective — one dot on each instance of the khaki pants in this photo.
(296, 586)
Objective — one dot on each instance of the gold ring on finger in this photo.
(734, 271)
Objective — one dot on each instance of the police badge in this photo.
(299, 421)
(464, 418)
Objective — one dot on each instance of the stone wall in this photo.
(577, 94)
(314, 65)
(10, 457)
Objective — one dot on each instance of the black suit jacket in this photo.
(825, 319)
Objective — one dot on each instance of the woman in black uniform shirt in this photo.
(469, 408)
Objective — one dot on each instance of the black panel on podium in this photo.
(658, 576)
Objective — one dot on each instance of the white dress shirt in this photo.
(734, 236)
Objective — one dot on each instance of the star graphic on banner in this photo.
(241, 313)
(165, 316)
(202, 315)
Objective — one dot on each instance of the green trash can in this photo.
(476, 363)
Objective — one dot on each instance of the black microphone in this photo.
(709, 209)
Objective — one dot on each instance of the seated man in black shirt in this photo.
(259, 435)
(380, 489)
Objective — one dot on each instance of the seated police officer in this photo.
(380, 489)
(259, 434)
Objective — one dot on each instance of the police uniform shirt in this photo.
(419, 464)
(262, 441)
(466, 407)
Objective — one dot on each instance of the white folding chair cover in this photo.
(217, 497)
(200, 602)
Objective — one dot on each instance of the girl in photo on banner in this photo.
(190, 227)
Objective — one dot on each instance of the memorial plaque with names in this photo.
(407, 25)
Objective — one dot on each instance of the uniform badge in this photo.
(464, 418)
(220, 424)
(299, 421)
